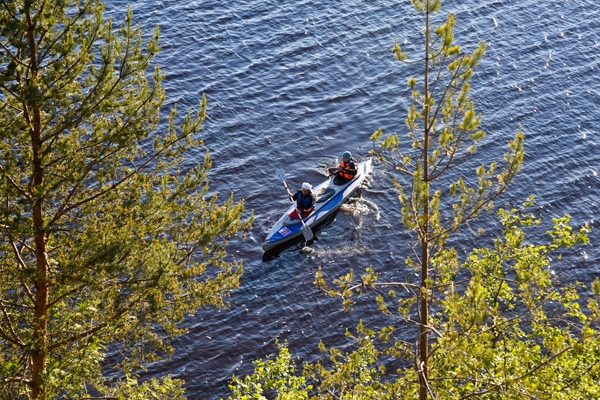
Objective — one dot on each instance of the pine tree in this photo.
(444, 131)
(106, 242)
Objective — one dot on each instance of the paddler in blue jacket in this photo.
(305, 201)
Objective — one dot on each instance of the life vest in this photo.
(304, 203)
(347, 169)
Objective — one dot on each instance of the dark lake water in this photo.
(292, 84)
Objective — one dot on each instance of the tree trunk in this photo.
(423, 358)
(40, 319)
(423, 340)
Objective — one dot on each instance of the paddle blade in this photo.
(307, 232)
(280, 174)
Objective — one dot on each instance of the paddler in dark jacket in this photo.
(346, 171)
(305, 201)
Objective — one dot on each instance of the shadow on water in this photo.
(299, 243)
(293, 245)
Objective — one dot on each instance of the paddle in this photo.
(308, 235)
(333, 170)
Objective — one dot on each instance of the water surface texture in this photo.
(292, 84)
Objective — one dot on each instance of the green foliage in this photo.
(349, 375)
(510, 330)
(106, 241)
(273, 379)
(132, 389)
(514, 331)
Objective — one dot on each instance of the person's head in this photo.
(306, 187)
(347, 155)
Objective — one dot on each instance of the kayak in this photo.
(330, 197)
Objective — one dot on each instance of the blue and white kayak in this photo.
(330, 197)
